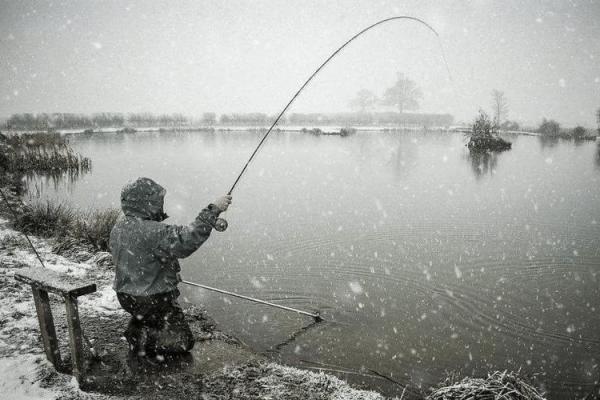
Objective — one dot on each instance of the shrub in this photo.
(483, 126)
(347, 131)
(483, 135)
(579, 132)
(549, 128)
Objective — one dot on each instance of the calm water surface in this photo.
(423, 258)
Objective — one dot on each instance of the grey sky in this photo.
(232, 56)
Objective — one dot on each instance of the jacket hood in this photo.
(143, 199)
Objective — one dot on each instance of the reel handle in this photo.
(221, 225)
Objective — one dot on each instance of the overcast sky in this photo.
(230, 56)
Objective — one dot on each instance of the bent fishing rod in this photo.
(221, 224)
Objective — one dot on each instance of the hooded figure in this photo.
(145, 252)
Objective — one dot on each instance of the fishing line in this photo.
(14, 214)
(221, 224)
(368, 28)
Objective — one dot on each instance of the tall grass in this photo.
(94, 227)
(67, 224)
(41, 152)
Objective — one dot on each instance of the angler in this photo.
(146, 251)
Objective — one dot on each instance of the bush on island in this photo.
(347, 131)
(483, 136)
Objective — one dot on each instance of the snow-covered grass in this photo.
(71, 226)
(23, 363)
(26, 374)
(309, 381)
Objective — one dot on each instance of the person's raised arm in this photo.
(180, 241)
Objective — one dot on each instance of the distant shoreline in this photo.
(326, 129)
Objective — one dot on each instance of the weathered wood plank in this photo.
(44, 314)
(53, 282)
(75, 338)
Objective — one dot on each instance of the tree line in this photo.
(57, 121)
(547, 127)
(46, 121)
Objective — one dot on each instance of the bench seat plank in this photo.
(54, 282)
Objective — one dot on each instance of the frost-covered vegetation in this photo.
(41, 152)
(484, 136)
(498, 385)
(67, 224)
(552, 129)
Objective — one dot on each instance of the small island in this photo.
(484, 136)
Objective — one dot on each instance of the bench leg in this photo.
(44, 314)
(75, 339)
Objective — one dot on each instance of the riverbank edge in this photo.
(27, 374)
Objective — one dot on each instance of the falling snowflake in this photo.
(355, 287)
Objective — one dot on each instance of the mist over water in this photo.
(422, 258)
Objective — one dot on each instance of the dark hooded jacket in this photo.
(145, 250)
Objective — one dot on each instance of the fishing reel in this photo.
(221, 225)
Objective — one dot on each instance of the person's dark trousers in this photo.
(157, 324)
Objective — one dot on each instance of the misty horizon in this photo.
(191, 58)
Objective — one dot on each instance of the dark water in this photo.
(426, 259)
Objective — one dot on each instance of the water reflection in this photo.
(483, 162)
(404, 158)
(39, 183)
(548, 141)
(598, 155)
(433, 274)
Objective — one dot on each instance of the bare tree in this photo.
(364, 101)
(500, 106)
(404, 95)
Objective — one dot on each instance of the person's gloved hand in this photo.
(223, 202)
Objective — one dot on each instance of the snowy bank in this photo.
(26, 374)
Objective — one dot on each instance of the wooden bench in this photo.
(44, 281)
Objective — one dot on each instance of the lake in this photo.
(422, 259)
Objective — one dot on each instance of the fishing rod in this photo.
(316, 316)
(14, 214)
(221, 224)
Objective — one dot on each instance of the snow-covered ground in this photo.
(26, 374)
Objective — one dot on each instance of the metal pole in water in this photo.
(316, 316)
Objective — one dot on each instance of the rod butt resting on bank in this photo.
(316, 316)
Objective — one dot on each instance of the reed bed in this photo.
(42, 153)
(497, 386)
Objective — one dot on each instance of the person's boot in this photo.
(175, 338)
(148, 342)
(132, 335)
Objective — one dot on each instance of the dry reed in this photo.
(497, 386)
